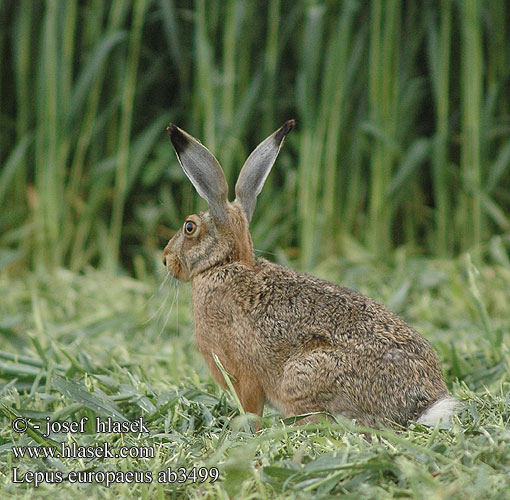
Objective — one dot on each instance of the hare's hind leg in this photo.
(323, 380)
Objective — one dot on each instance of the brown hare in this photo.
(301, 343)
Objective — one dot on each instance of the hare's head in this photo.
(220, 235)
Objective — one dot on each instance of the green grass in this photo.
(402, 108)
(401, 151)
(91, 344)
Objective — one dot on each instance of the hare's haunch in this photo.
(301, 343)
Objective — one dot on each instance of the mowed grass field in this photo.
(395, 182)
(93, 345)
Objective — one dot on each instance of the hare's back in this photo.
(303, 308)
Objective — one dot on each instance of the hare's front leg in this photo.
(248, 389)
(251, 395)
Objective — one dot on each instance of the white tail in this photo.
(441, 411)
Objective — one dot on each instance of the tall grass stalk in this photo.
(439, 48)
(48, 181)
(471, 108)
(204, 84)
(271, 59)
(341, 169)
(124, 140)
(313, 130)
(21, 53)
(323, 172)
(383, 97)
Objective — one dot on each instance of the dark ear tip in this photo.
(172, 129)
(284, 130)
(178, 139)
(289, 125)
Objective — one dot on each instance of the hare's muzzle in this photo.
(173, 263)
(169, 260)
(165, 253)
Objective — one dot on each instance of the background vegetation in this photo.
(403, 112)
(395, 182)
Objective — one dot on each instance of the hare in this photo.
(301, 343)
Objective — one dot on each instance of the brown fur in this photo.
(301, 343)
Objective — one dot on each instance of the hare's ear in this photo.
(257, 167)
(203, 170)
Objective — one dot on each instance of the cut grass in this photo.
(96, 345)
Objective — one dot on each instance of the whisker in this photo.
(177, 311)
(176, 295)
(165, 279)
(264, 251)
(158, 311)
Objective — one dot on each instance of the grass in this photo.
(403, 116)
(91, 344)
(401, 151)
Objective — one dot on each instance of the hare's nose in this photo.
(165, 253)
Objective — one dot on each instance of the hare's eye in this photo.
(189, 227)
